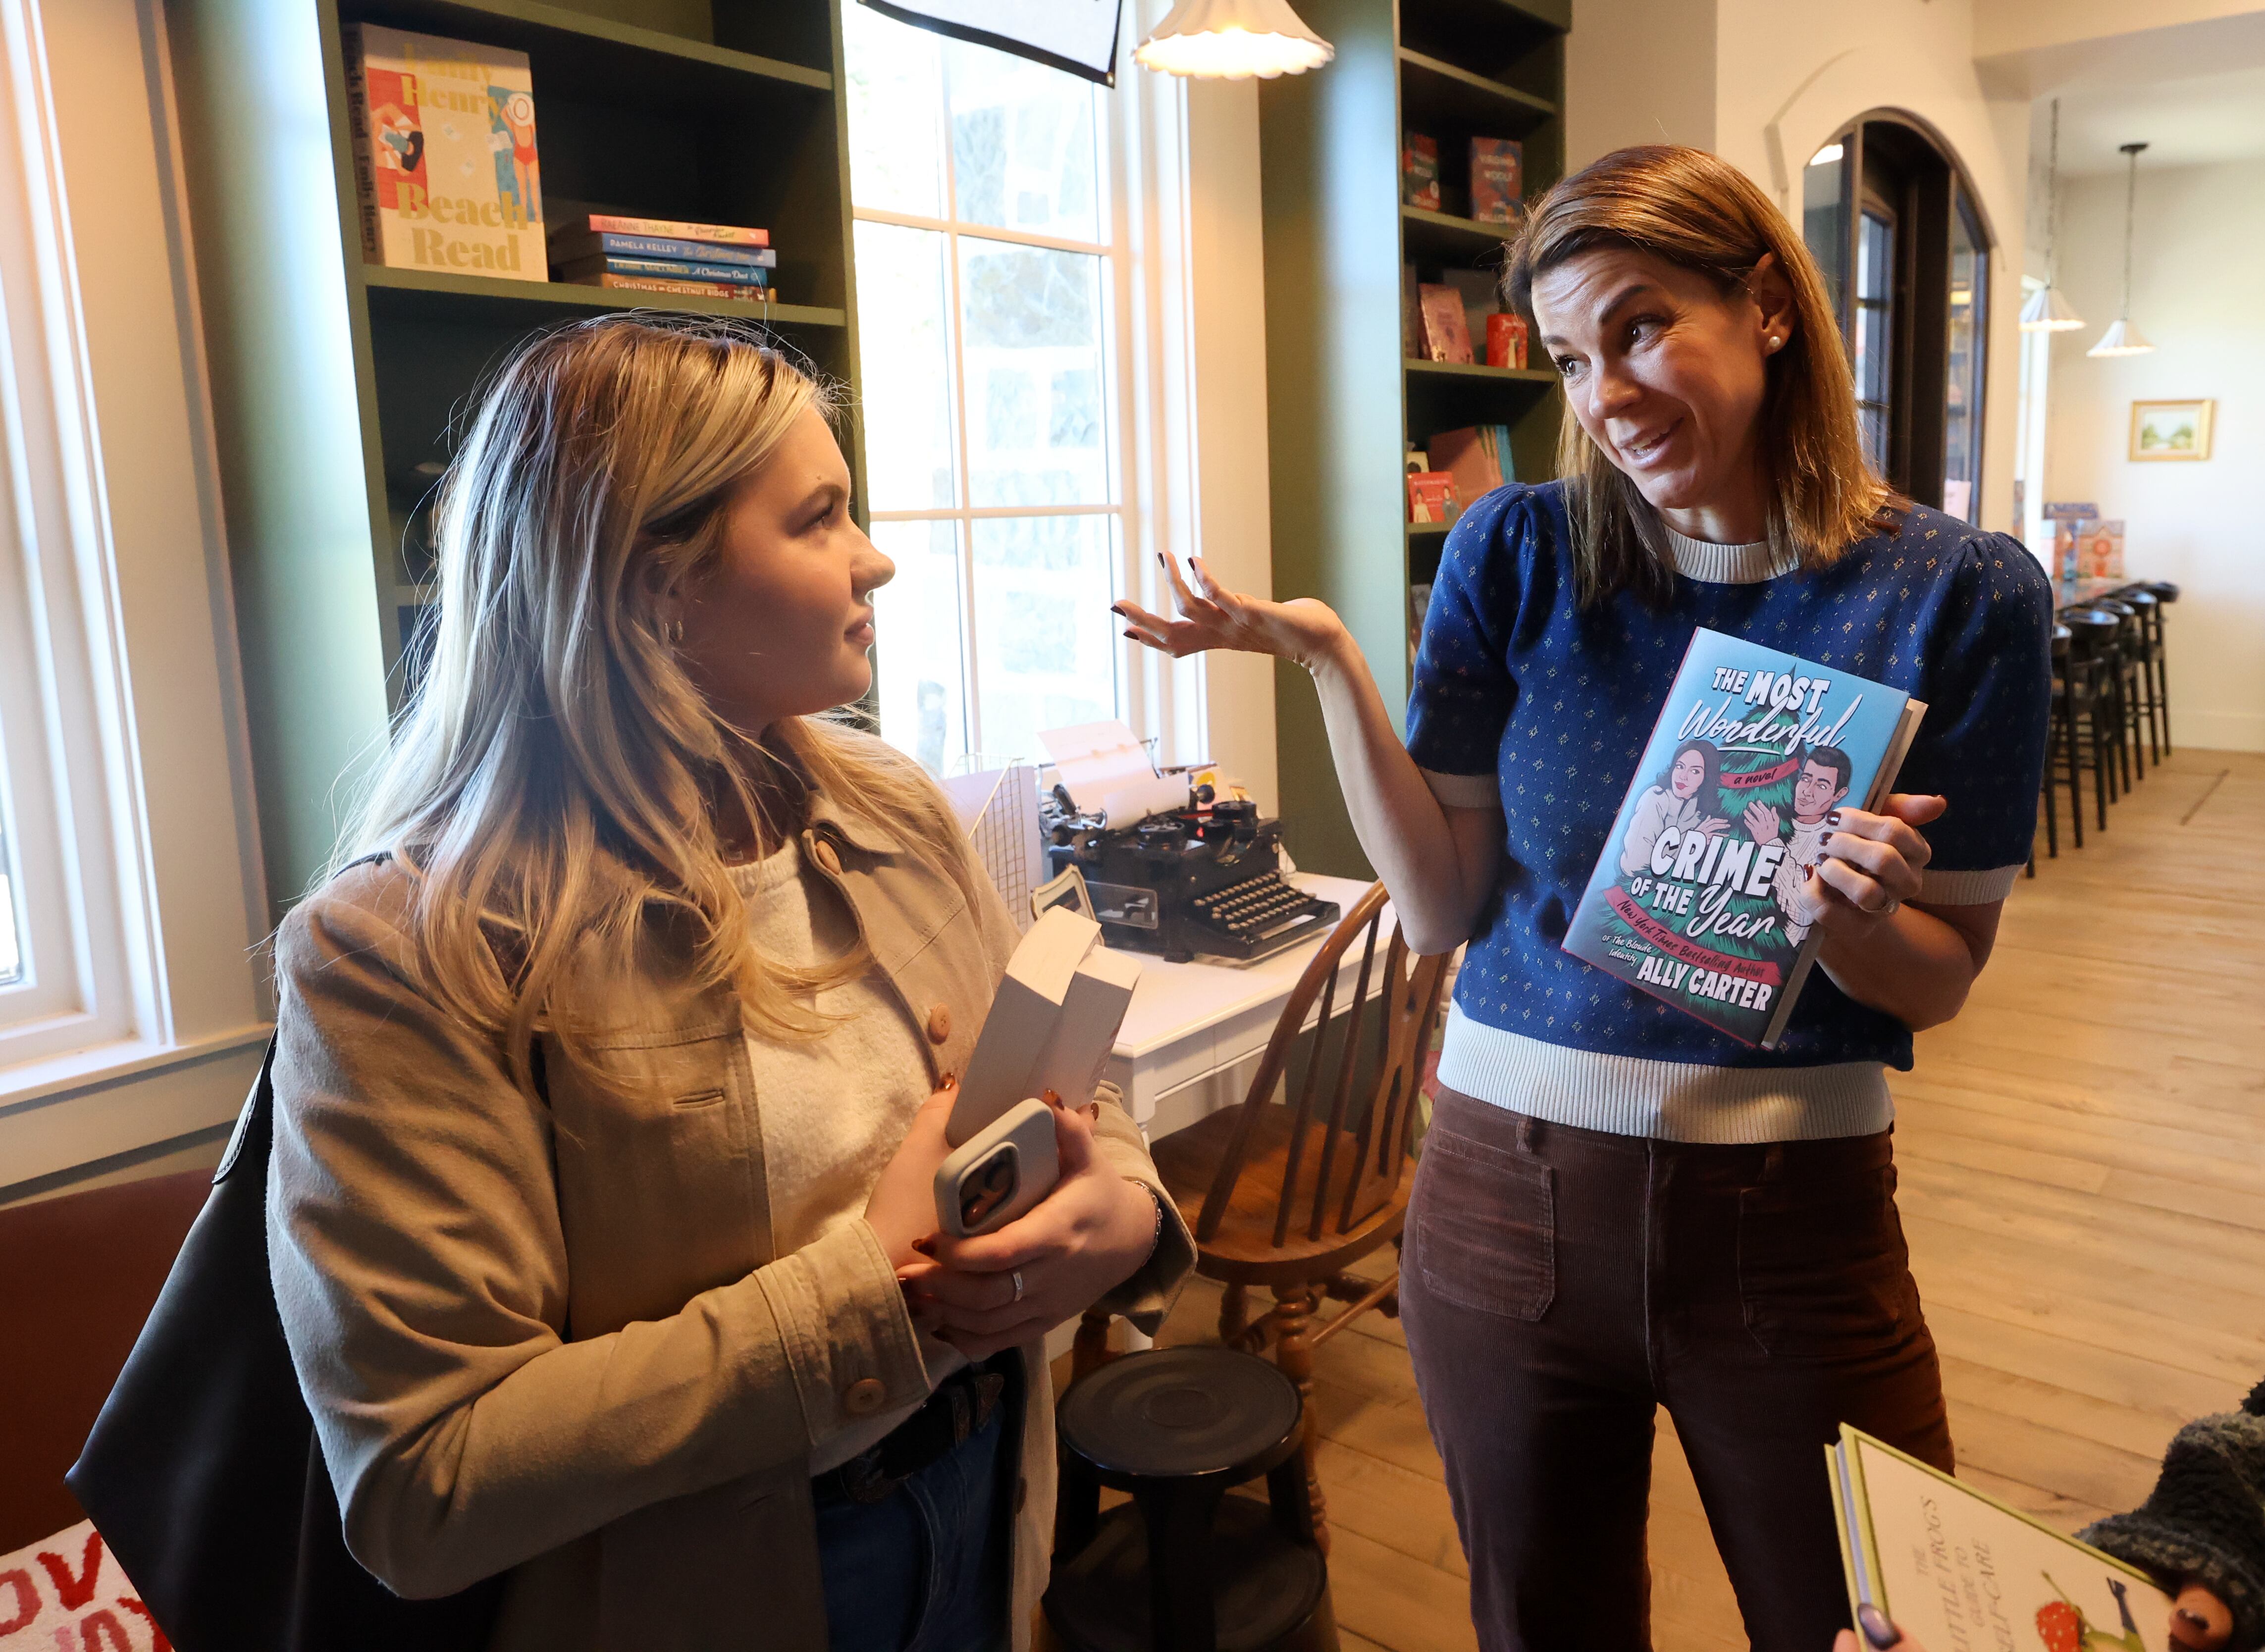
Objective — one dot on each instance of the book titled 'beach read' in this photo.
(1701, 898)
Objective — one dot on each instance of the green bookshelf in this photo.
(337, 384)
(1345, 402)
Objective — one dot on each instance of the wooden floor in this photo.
(2083, 1184)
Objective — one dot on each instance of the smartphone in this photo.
(999, 1173)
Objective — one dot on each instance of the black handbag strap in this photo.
(203, 1473)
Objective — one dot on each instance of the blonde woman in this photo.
(1620, 1208)
(612, 1069)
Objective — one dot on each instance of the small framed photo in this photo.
(2171, 430)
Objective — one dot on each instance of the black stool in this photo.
(2165, 593)
(1176, 1428)
(2091, 677)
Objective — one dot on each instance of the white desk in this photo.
(1194, 1032)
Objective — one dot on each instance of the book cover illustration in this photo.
(1497, 182)
(445, 154)
(1505, 340)
(1952, 1566)
(1419, 171)
(1432, 497)
(597, 223)
(1447, 330)
(1699, 896)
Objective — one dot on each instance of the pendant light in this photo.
(1233, 40)
(2121, 338)
(2046, 310)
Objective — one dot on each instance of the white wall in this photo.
(2200, 243)
(1763, 83)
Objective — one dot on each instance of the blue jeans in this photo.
(925, 1569)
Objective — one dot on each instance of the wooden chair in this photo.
(1288, 1196)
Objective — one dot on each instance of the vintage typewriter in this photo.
(1206, 879)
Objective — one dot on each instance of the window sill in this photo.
(68, 1110)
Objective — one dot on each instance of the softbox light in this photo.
(1078, 36)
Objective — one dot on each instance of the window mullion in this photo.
(963, 486)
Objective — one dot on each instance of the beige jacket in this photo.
(557, 1340)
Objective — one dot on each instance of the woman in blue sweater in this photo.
(1618, 1206)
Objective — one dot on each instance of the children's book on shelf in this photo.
(1419, 171)
(1953, 1567)
(1497, 179)
(1701, 898)
(1411, 315)
(1432, 497)
(572, 243)
(1446, 333)
(667, 269)
(445, 153)
(1505, 340)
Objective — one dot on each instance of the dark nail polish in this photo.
(1834, 818)
(1877, 1628)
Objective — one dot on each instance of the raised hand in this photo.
(1301, 631)
(1762, 822)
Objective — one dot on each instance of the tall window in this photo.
(1875, 330)
(1962, 437)
(11, 940)
(989, 297)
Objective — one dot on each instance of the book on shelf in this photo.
(665, 229)
(666, 269)
(1418, 462)
(1419, 171)
(1701, 896)
(665, 284)
(1505, 340)
(1446, 333)
(573, 244)
(2088, 548)
(445, 156)
(1497, 179)
(1477, 457)
(1432, 497)
(1953, 1567)
(1411, 315)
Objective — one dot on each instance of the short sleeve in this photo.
(1463, 690)
(1988, 688)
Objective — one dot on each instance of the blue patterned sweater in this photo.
(1552, 705)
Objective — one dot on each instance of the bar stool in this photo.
(2124, 667)
(2091, 678)
(2164, 593)
(2147, 704)
(1184, 1567)
(2060, 745)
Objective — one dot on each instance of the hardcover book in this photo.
(1952, 1566)
(584, 244)
(444, 153)
(1430, 497)
(1505, 340)
(1701, 898)
(1053, 1022)
(667, 269)
(670, 229)
(669, 284)
(1472, 456)
(1447, 330)
(1419, 171)
(1497, 166)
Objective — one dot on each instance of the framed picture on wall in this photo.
(2171, 430)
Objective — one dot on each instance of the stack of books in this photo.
(661, 255)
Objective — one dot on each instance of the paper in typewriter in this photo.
(1958, 1571)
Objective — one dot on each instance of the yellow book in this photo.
(444, 154)
(1956, 1569)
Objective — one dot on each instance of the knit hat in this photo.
(2205, 1520)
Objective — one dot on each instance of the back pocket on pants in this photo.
(1485, 1227)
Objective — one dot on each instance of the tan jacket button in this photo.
(827, 858)
(939, 1023)
(865, 1396)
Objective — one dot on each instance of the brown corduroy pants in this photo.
(1559, 1284)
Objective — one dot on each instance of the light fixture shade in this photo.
(2047, 311)
(2121, 338)
(1233, 40)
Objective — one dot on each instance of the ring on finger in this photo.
(1018, 1284)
